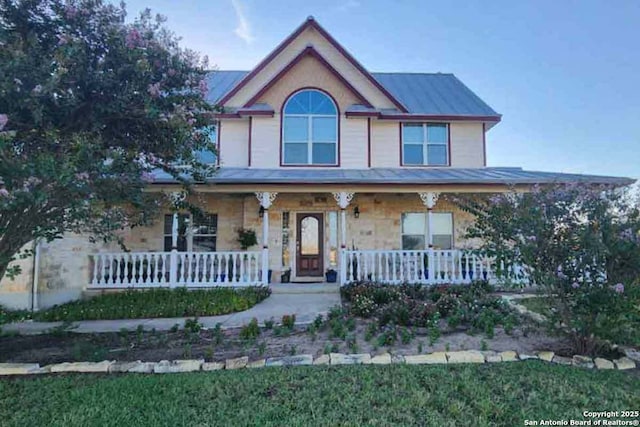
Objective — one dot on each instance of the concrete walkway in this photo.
(306, 301)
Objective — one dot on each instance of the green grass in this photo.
(504, 394)
(157, 303)
(535, 304)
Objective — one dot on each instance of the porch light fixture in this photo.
(356, 212)
(261, 212)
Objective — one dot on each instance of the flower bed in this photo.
(155, 303)
(440, 308)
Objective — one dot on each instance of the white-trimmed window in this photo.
(201, 238)
(425, 144)
(415, 234)
(310, 129)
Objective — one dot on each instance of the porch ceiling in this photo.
(386, 180)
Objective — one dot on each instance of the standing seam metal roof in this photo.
(421, 93)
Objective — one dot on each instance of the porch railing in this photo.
(169, 269)
(425, 266)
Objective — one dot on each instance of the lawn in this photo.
(151, 303)
(504, 394)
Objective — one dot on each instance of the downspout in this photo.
(35, 277)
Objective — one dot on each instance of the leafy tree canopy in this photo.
(89, 107)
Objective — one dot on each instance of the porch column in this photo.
(176, 199)
(265, 199)
(343, 199)
(429, 200)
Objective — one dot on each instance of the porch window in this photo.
(415, 233)
(203, 235)
(333, 239)
(286, 255)
(310, 129)
(425, 144)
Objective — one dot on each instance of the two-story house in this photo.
(333, 167)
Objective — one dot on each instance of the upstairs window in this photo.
(425, 144)
(310, 129)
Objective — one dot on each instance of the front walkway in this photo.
(306, 301)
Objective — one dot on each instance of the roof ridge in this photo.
(427, 73)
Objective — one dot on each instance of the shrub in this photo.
(289, 321)
(268, 324)
(250, 331)
(152, 303)
(580, 244)
(192, 325)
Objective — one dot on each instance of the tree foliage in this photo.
(89, 107)
(579, 244)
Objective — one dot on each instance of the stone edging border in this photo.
(192, 365)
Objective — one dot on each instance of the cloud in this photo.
(244, 27)
(347, 5)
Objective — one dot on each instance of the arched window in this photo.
(310, 129)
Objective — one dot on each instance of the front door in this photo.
(309, 244)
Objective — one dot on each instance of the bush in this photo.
(423, 306)
(580, 244)
(250, 331)
(289, 321)
(152, 303)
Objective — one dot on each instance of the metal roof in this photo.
(421, 93)
(425, 176)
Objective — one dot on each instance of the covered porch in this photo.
(366, 234)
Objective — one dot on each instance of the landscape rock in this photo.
(322, 360)
(175, 366)
(397, 358)
(18, 368)
(81, 367)
(562, 360)
(603, 363)
(547, 356)
(302, 359)
(381, 359)
(237, 363)
(350, 359)
(137, 367)
(509, 356)
(524, 356)
(468, 356)
(631, 353)
(426, 359)
(624, 363)
(212, 366)
(493, 358)
(583, 361)
(256, 364)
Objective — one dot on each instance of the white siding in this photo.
(385, 144)
(265, 142)
(353, 143)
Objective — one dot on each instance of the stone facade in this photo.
(64, 265)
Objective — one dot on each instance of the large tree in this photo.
(89, 106)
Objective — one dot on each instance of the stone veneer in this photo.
(64, 264)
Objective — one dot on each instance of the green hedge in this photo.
(154, 303)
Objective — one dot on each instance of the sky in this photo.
(564, 74)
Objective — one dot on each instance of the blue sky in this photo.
(564, 74)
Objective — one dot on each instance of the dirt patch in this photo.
(218, 345)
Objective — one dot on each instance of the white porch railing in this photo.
(426, 266)
(169, 269)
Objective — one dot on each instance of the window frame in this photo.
(426, 229)
(309, 143)
(425, 144)
(188, 236)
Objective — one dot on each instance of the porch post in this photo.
(343, 199)
(176, 199)
(173, 257)
(265, 199)
(429, 200)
